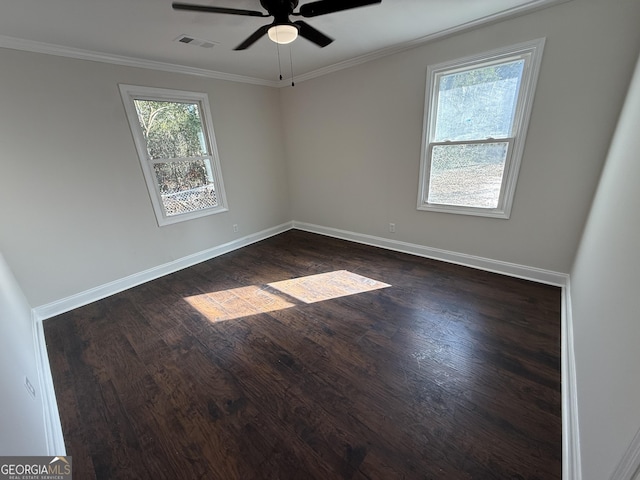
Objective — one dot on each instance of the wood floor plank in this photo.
(219, 372)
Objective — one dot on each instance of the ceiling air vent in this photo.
(197, 42)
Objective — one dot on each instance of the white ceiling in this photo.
(147, 29)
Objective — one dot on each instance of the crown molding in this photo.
(14, 43)
(530, 7)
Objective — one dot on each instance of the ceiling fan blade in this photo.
(255, 36)
(205, 8)
(307, 31)
(322, 7)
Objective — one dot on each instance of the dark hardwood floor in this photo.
(213, 373)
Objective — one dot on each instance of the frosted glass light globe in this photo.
(283, 34)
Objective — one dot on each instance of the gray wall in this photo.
(346, 155)
(353, 137)
(77, 213)
(22, 422)
(606, 304)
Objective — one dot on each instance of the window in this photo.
(173, 134)
(476, 115)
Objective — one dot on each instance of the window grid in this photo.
(527, 57)
(180, 187)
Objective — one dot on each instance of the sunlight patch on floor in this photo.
(244, 301)
(237, 303)
(325, 286)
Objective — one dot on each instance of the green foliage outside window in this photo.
(173, 130)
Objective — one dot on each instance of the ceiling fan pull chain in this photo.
(279, 64)
(291, 63)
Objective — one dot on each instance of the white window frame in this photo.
(129, 94)
(531, 53)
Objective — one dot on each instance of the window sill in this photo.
(473, 211)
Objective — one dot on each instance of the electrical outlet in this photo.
(235, 227)
(29, 387)
(392, 227)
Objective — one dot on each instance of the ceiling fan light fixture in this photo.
(283, 34)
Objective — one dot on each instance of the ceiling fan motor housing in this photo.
(279, 9)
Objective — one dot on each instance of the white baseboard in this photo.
(571, 466)
(57, 307)
(52, 427)
(496, 266)
(571, 451)
(97, 293)
(571, 461)
(629, 466)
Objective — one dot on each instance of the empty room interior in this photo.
(226, 256)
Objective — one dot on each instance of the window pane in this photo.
(171, 129)
(478, 104)
(185, 186)
(467, 175)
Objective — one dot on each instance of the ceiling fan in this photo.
(282, 30)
